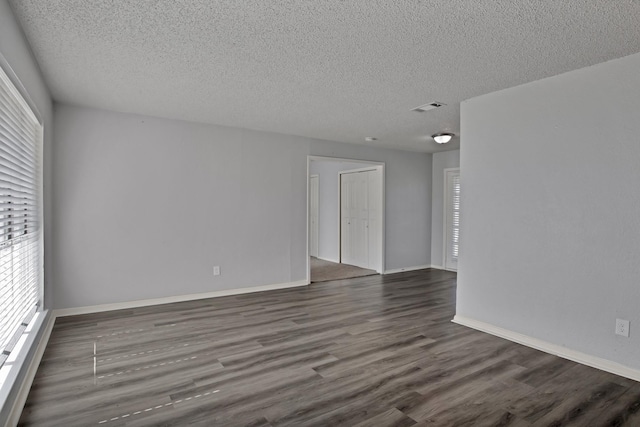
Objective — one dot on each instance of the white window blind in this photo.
(455, 223)
(20, 223)
(451, 234)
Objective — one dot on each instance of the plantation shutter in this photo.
(455, 223)
(20, 223)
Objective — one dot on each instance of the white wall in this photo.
(145, 207)
(441, 161)
(17, 55)
(550, 172)
(329, 205)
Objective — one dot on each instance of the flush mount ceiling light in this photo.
(370, 139)
(442, 138)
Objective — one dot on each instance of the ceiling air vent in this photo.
(429, 106)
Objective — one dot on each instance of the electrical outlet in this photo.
(622, 327)
(216, 270)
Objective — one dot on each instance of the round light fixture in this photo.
(442, 138)
(370, 139)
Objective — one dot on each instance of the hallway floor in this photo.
(323, 271)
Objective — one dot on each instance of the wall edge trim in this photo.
(73, 311)
(547, 347)
(400, 270)
(337, 261)
(32, 370)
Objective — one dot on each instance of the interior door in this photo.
(347, 216)
(374, 213)
(452, 219)
(360, 221)
(314, 187)
(361, 216)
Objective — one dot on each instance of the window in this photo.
(452, 218)
(455, 221)
(20, 217)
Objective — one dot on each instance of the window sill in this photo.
(15, 373)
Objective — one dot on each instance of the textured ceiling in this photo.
(334, 69)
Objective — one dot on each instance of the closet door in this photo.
(361, 216)
(374, 213)
(313, 214)
(353, 221)
(347, 216)
(360, 223)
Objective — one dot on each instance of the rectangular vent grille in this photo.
(429, 106)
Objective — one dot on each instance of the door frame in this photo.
(367, 164)
(445, 207)
(317, 248)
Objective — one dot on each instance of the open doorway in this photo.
(345, 220)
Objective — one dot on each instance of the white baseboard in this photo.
(547, 347)
(400, 270)
(329, 259)
(25, 387)
(178, 298)
(442, 267)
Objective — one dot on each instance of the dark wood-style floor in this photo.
(324, 271)
(370, 351)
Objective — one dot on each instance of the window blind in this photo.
(20, 223)
(455, 223)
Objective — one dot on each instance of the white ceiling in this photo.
(334, 69)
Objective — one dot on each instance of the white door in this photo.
(452, 219)
(361, 216)
(347, 216)
(359, 221)
(314, 187)
(374, 220)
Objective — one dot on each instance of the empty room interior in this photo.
(336, 213)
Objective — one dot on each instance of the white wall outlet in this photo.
(216, 270)
(622, 327)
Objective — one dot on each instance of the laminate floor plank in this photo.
(453, 393)
(332, 405)
(571, 411)
(368, 351)
(389, 418)
(624, 411)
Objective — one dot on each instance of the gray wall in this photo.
(441, 161)
(147, 206)
(17, 54)
(551, 209)
(18, 62)
(329, 205)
